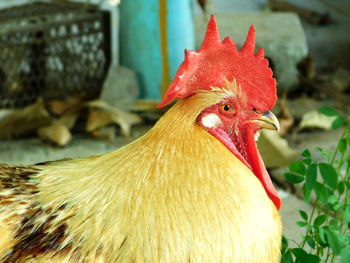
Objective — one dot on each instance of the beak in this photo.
(268, 121)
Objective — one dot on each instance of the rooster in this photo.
(193, 189)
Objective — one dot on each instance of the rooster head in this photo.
(244, 92)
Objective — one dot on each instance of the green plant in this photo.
(326, 229)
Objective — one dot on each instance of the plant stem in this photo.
(333, 257)
(309, 223)
(341, 137)
(336, 150)
(346, 130)
(328, 254)
(337, 213)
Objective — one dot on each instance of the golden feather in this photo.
(174, 195)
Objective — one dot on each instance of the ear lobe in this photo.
(210, 120)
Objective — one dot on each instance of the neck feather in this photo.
(110, 190)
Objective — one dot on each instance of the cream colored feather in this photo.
(174, 195)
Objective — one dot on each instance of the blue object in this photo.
(140, 43)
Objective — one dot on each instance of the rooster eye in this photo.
(227, 108)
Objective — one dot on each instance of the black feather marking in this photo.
(34, 239)
(37, 231)
(122, 244)
(53, 162)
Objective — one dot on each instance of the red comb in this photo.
(216, 61)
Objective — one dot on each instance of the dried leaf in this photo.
(105, 133)
(60, 106)
(314, 119)
(275, 150)
(100, 104)
(24, 121)
(57, 133)
(125, 120)
(105, 114)
(98, 119)
(285, 118)
(69, 119)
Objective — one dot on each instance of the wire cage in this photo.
(52, 50)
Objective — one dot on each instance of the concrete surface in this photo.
(290, 215)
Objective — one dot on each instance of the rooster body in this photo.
(193, 189)
(154, 202)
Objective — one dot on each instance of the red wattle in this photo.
(255, 162)
(225, 140)
(259, 169)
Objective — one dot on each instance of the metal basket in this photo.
(52, 49)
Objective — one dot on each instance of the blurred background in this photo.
(82, 77)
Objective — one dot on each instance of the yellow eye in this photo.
(226, 108)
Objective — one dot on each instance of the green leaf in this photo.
(324, 153)
(297, 167)
(303, 257)
(333, 225)
(329, 175)
(306, 193)
(306, 153)
(321, 234)
(299, 253)
(347, 185)
(347, 214)
(333, 241)
(320, 220)
(301, 223)
(337, 206)
(341, 187)
(328, 111)
(343, 239)
(287, 258)
(338, 122)
(321, 193)
(293, 178)
(313, 259)
(345, 255)
(284, 246)
(303, 215)
(342, 145)
(311, 175)
(307, 161)
(333, 199)
(310, 242)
